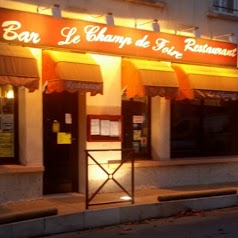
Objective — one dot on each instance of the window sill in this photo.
(189, 161)
(222, 16)
(16, 169)
(178, 162)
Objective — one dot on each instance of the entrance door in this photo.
(60, 117)
(136, 123)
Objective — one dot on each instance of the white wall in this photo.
(160, 128)
(110, 102)
(30, 122)
(107, 104)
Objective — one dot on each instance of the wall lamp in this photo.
(55, 10)
(231, 37)
(108, 17)
(155, 25)
(195, 30)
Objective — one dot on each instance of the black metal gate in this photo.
(127, 157)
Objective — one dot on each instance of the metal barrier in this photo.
(127, 156)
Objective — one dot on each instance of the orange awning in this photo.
(18, 67)
(72, 72)
(148, 78)
(206, 82)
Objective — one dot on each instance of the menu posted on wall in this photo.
(104, 127)
(95, 126)
(115, 128)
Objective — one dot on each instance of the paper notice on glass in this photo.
(68, 118)
(105, 127)
(143, 141)
(6, 144)
(63, 138)
(7, 122)
(138, 119)
(95, 127)
(114, 129)
(136, 134)
(55, 126)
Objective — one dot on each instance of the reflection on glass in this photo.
(6, 121)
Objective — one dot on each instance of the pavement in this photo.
(61, 213)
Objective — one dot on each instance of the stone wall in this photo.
(149, 177)
(18, 186)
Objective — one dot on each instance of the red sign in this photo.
(37, 30)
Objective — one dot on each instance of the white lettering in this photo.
(10, 33)
(95, 33)
(190, 45)
(161, 45)
(70, 37)
(81, 85)
(143, 42)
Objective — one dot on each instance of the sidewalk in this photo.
(72, 214)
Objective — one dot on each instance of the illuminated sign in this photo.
(45, 31)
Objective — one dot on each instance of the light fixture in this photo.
(126, 198)
(10, 94)
(55, 10)
(231, 37)
(110, 19)
(195, 30)
(155, 25)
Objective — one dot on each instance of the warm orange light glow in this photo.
(10, 94)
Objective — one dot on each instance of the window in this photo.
(204, 128)
(8, 117)
(136, 125)
(226, 7)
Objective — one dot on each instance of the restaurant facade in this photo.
(72, 85)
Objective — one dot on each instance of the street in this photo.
(190, 224)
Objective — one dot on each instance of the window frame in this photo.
(220, 7)
(15, 159)
(142, 155)
(208, 139)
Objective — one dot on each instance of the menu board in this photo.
(104, 127)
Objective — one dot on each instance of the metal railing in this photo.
(127, 156)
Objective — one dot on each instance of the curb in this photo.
(197, 194)
(27, 215)
(112, 216)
